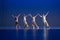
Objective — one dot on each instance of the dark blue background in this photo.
(15, 7)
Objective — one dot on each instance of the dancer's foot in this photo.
(48, 28)
(37, 27)
(33, 27)
(27, 26)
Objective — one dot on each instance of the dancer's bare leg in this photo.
(27, 25)
(33, 25)
(17, 27)
(47, 26)
(37, 26)
(24, 26)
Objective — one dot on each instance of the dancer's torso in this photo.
(24, 18)
(33, 19)
(16, 19)
(44, 18)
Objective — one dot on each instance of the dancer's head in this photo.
(15, 16)
(33, 16)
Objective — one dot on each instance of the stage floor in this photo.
(30, 27)
(7, 33)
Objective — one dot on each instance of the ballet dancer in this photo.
(25, 21)
(16, 20)
(44, 19)
(33, 21)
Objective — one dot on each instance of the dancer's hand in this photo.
(39, 15)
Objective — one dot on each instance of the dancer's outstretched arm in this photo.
(39, 15)
(18, 15)
(36, 15)
(30, 15)
(47, 13)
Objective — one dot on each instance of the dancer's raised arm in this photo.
(30, 15)
(39, 15)
(18, 15)
(47, 13)
(36, 15)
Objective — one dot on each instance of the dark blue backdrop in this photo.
(15, 7)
